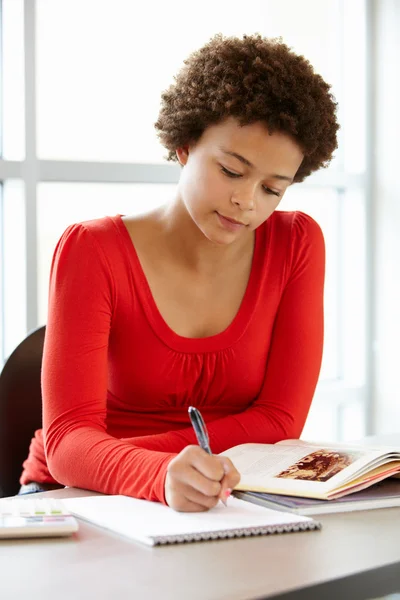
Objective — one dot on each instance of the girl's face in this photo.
(234, 177)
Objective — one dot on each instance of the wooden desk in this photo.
(355, 556)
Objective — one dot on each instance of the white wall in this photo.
(386, 222)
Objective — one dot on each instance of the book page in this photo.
(375, 475)
(300, 468)
(382, 449)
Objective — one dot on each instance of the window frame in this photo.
(337, 393)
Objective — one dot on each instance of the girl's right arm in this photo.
(79, 450)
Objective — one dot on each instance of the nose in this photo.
(244, 199)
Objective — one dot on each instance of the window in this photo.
(81, 89)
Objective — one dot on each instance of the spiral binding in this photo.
(235, 533)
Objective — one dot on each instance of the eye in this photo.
(268, 190)
(229, 173)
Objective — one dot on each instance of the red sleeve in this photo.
(79, 452)
(292, 370)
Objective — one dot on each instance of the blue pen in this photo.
(200, 430)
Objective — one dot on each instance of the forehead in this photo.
(255, 143)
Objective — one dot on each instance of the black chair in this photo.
(20, 408)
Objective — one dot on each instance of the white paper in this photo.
(142, 520)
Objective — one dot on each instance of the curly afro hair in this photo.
(252, 79)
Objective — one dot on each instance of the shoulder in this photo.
(295, 230)
(298, 240)
(90, 233)
(296, 223)
(88, 244)
(102, 227)
(87, 255)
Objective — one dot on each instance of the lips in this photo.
(233, 220)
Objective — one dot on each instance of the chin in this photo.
(221, 239)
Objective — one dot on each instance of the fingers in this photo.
(197, 469)
(188, 506)
(195, 480)
(230, 480)
(204, 463)
(231, 474)
(190, 500)
(184, 497)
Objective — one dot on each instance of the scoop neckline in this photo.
(226, 338)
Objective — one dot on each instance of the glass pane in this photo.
(335, 416)
(14, 246)
(13, 121)
(353, 317)
(352, 113)
(322, 423)
(80, 202)
(98, 97)
(323, 205)
(352, 421)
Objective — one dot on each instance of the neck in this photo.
(190, 247)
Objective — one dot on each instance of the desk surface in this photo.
(355, 556)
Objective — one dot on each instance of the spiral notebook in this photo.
(155, 524)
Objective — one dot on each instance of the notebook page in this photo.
(143, 520)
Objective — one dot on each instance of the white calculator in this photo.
(40, 517)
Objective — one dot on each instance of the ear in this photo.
(183, 155)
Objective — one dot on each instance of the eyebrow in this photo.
(245, 161)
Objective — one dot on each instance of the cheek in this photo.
(205, 189)
(266, 207)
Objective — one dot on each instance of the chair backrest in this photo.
(20, 408)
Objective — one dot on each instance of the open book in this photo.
(311, 470)
(385, 494)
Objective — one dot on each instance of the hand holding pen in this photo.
(196, 479)
(201, 432)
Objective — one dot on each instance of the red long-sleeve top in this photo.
(117, 381)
